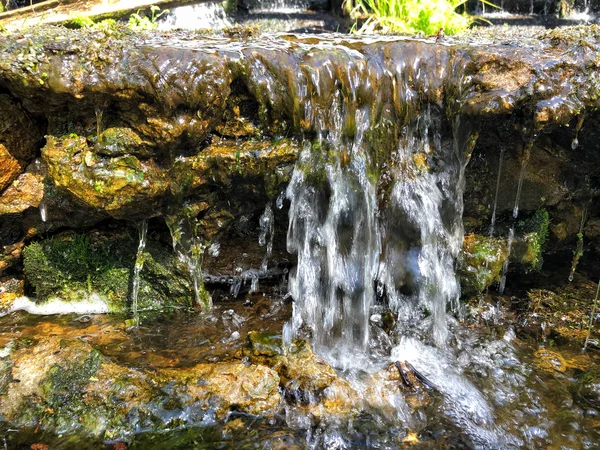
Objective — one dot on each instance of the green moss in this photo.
(79, 22)
(265, 344)
(528, 249)
(73, 266)
(481, 262)
(63, 405)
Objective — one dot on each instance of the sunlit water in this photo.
(206, 15)
(485, 390)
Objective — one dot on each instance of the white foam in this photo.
(94, 304)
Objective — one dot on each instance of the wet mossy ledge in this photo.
(104, 126)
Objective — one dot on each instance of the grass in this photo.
(413, 16)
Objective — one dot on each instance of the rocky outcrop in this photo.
(66, 386)
(137, 125)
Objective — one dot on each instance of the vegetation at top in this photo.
(412, 16)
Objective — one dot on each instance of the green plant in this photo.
(413, 16)
(137, 22)
(80, 22)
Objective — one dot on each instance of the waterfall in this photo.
(206, 15)
(375, 205)
(334, 233)
(423, 229)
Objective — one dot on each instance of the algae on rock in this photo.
(73, 266)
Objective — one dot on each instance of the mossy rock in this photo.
(122, 186)
(72, 388)
(481, 263)
(74, 266)
(298, 367)
(533, 231)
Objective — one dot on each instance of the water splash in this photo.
(189, 248)
(137, 270)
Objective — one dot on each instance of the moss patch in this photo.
(73, 266)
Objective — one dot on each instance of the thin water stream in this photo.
(137, 270)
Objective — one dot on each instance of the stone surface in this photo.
(25, 192)
(74, 266)
(9, 168)
(19, 133)
(65, 386)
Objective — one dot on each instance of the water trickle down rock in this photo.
(267, 233)
(515, 214)
(376, 194)
(137, 270)
(189, 248)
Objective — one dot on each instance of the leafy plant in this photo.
(413, 16)
(137, 22)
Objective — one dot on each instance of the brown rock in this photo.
(120, 186)
(10, 289)
(9, 168)
(18, 133)
(10, 255)
(27, 191)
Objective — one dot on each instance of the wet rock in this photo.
(298, 367)
(262, 162)
(25, 192)
(121, 186)
(481, 263)
(116, 141)
(10, 255)
(10, 289)
(550, 361)
(558, 314)
(74, 266)
(20, 136)
(73, 387)
(483, 257)
(9, 168)
(586, 390)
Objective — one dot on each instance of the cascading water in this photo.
(267, 233)
(361, 217)
(137, 270)
(189, 248)
(423, 228)
(203, 15)
(493, 221)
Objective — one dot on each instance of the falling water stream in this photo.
(376, 223)
(493, 221)
(511, 231)
(189, 248)
(137, 270)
